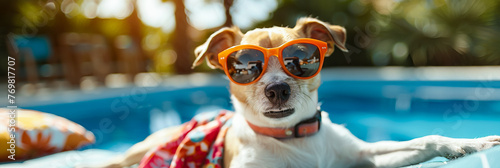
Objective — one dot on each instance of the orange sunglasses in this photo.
(300, 58)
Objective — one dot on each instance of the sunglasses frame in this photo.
(278, 52)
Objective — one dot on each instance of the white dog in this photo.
(275, 89)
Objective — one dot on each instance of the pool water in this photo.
(372, 108)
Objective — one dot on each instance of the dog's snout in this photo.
(278, 93)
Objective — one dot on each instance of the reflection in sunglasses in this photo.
(302, 59)
(245, 65)
(293, 64)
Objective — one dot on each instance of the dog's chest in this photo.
(265, 151)
(303, 152)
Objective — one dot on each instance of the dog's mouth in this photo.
(279, 114)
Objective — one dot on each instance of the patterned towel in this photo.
(200, 143)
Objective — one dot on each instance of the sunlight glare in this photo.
(205, 14)
(156, 13)
(115, 9)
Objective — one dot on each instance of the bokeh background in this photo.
(414, 67)
(87, 40)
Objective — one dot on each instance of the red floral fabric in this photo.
(200, 143)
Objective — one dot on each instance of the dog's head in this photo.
(277, 99)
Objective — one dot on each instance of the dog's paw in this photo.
(456, 148)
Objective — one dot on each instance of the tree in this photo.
(181, 41)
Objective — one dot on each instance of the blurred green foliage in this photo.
(406, 32)
(379, 32)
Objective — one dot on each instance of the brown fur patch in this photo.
(238, 91)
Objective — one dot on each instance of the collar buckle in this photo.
(305, 123)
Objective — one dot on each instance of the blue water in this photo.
(373, 110)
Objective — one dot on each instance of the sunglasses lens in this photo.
(302, 59)
(246, 65)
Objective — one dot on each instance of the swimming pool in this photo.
(375, 104)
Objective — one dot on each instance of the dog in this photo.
(270, 107)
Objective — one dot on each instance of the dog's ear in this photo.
(216, 43)
(316, 29)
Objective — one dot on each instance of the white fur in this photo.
(315, 151)
(333, 145)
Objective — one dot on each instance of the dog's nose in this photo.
(278, 93)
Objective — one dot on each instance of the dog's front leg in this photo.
(396, 154)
